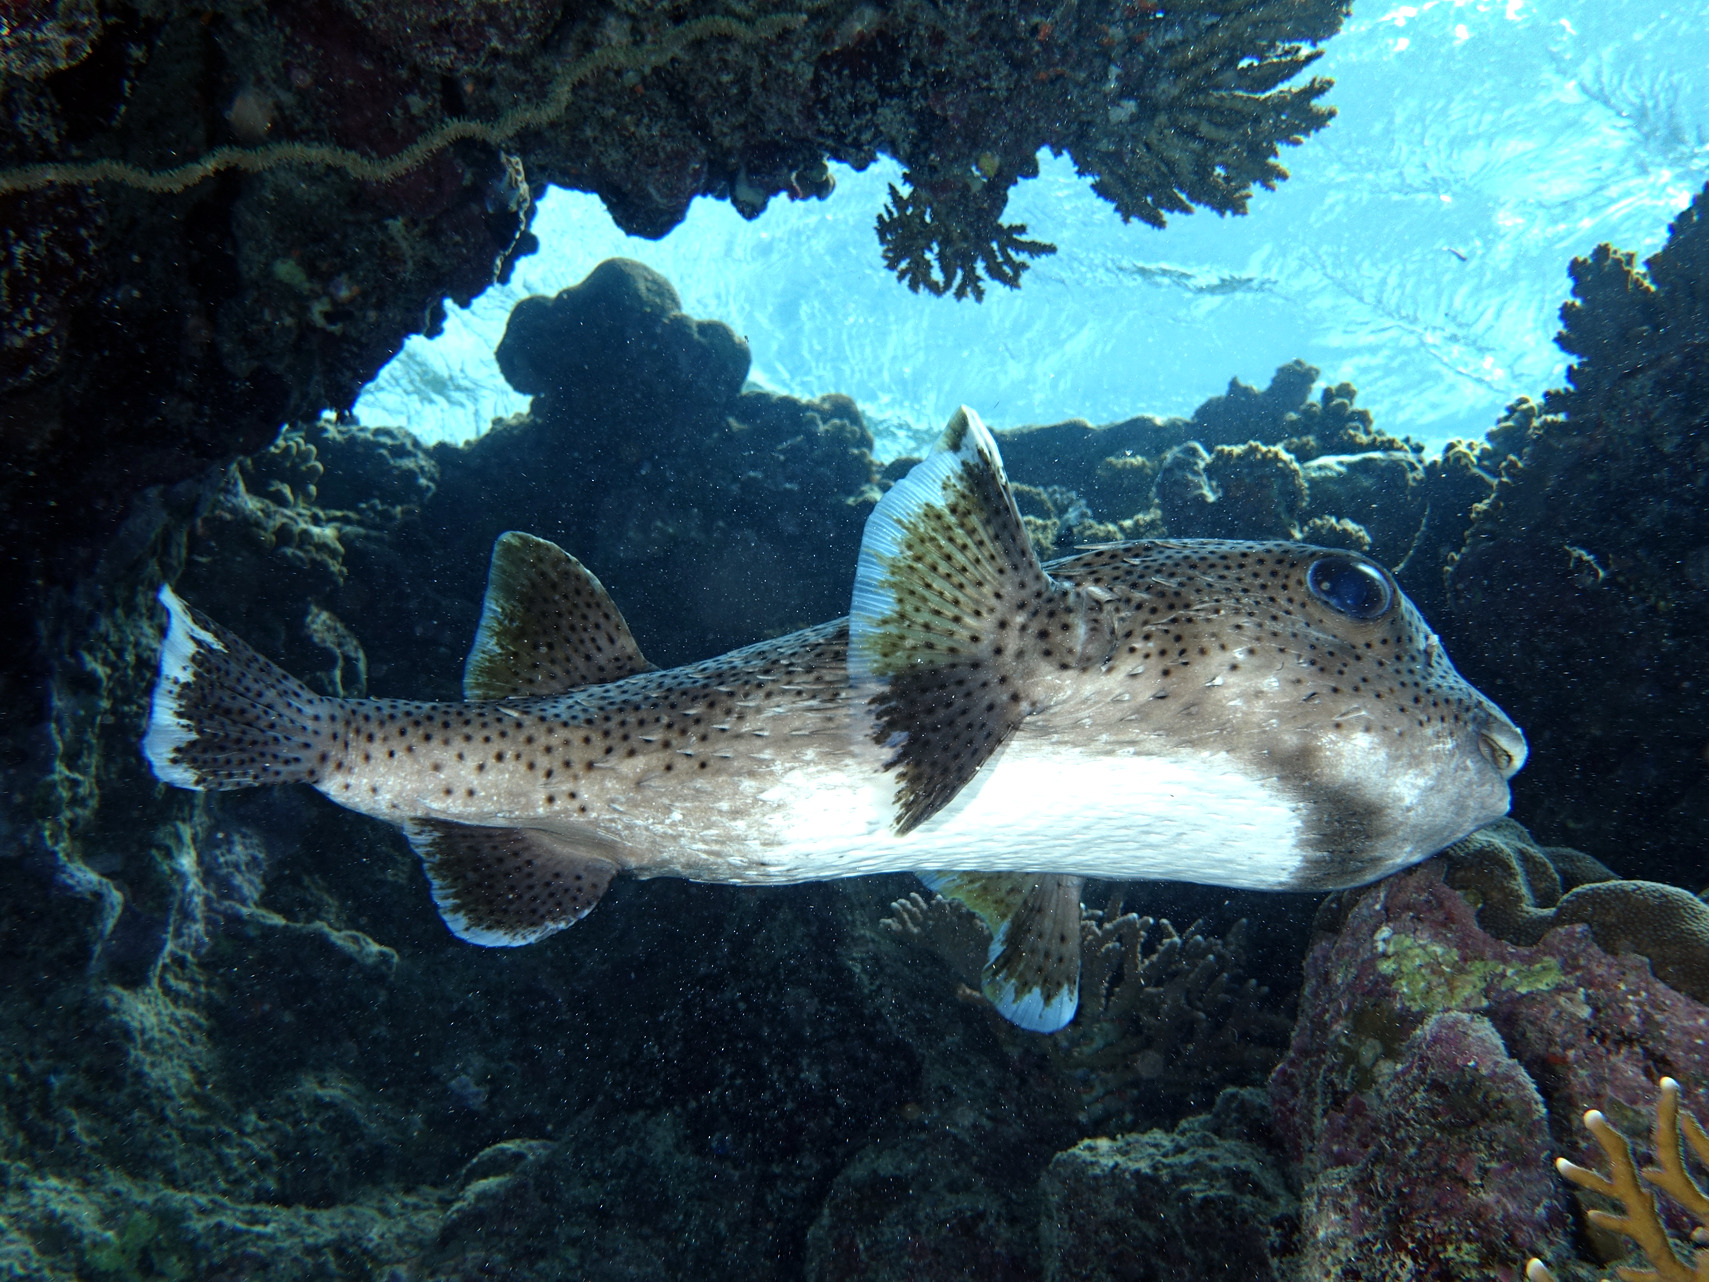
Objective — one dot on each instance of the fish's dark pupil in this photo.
(1355, 589)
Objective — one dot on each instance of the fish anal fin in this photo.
(547, 626)
(505, 887)
(939, 627)
(1032, 973)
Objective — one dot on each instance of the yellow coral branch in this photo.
(380, 169)
(1670, 1175)
(1642, 1220)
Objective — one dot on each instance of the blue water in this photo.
(1419, 250)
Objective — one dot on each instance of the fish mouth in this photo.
(1503, 745)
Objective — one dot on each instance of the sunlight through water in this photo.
(1419, 251)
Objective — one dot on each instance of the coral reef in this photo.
(1272, 464)
(245, 1046)
(618, 338)
(218, 218)
(1435, 1067)
(1166, 1020)
(1522, 891)
(1581, 596)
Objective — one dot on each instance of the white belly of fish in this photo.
(1040, 809)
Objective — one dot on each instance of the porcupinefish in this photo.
(1255, 715)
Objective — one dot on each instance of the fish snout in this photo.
(1502, 743)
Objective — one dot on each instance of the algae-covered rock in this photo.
(1425, 1055)
(1447, 1167)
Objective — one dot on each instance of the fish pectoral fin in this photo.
(547, 626)
(942, 626)
(1032, 971)
(504, 887)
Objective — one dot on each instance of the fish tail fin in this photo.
(1032, 972)
(223, 717)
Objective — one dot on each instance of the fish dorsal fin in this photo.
(1032, 972)
(547, 626)
(504, 887)
(946, 583)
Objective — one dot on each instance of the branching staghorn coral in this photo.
(1165, 108)
(1208, 120)
(1641, 1219)
(942, 237)
(1165, 1018)
(382, 169)
(946, 927)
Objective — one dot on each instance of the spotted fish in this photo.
(1256, 715)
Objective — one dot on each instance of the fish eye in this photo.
(1350, 587)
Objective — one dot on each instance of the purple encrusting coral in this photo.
(1435, 1070)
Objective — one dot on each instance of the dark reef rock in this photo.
(1270, 464)
(618, 338)
(1207, 1200)
(220, 217)
(1436, 1069)
(1581, 599)
(932, 1207)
